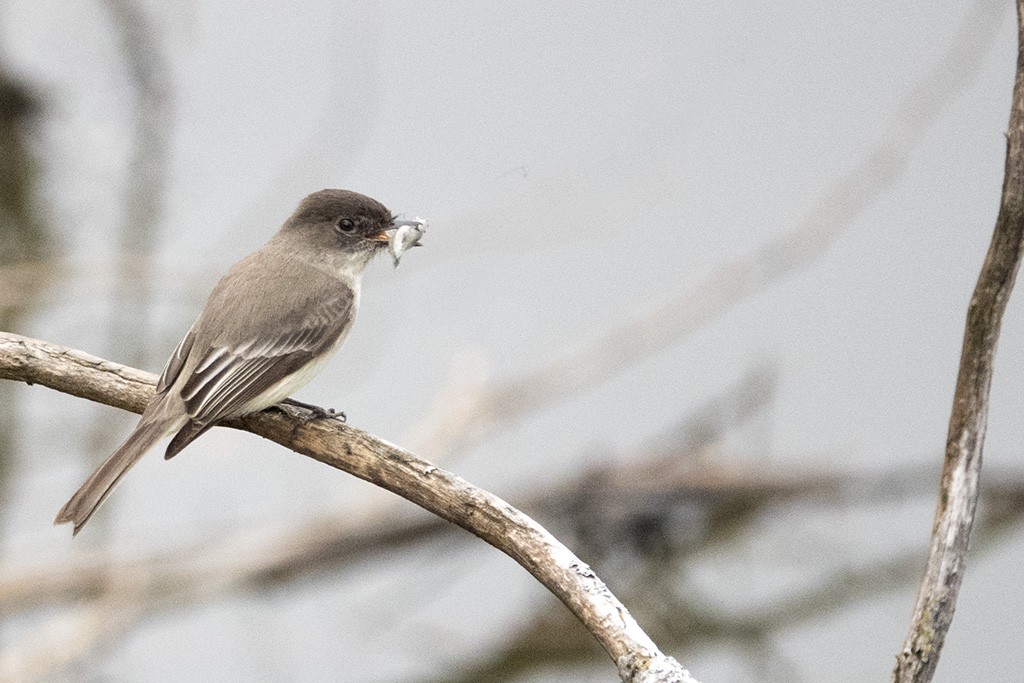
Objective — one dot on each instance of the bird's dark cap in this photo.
(328, 205)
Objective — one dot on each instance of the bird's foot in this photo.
(318, 412)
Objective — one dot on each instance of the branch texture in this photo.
(958, 493)
(381, 463)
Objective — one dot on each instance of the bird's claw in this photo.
(318, 412)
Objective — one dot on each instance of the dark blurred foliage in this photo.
(24, 238)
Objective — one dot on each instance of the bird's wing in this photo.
(227, 378)
(176, 362)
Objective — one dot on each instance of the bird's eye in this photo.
(347, 226)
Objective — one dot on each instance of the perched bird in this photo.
(269, 326)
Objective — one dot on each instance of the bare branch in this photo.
(381, 463)
(958, 492)
(248, 562)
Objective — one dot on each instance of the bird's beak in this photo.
(381, 236)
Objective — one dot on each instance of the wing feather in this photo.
(230, 379)
(176, 362)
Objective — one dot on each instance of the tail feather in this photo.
(188, 433)
(100, 483)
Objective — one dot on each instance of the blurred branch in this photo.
(75, 633)
(362, 455)
(233, 564)
(330, 540)
(683, 620)
(958, 491)
(247, 563)
(150, 86)
(459, 426)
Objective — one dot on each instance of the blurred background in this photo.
(693, 297)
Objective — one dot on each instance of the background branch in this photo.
(958, 492)
(390, 467)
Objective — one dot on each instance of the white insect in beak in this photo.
(405, 235)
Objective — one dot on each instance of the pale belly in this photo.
(289, 385)
(295, 381)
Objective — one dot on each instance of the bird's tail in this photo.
(100, 483)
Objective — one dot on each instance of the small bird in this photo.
(269, 326)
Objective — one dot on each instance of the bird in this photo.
(270, 324)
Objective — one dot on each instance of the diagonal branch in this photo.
(390, 467)
(958, 492)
